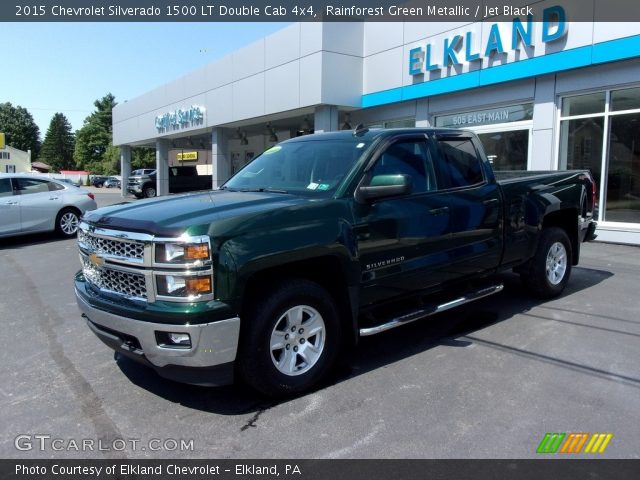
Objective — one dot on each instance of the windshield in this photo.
(311, 166)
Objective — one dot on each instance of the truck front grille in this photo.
(124, 249)
(131, 285)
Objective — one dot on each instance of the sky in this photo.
(65, 67)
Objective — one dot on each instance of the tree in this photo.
(20, 129)
(95, 136)
(142, 157)
(59, 143)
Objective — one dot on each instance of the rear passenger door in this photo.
(474, 200)
(401, 239)
(40, 203)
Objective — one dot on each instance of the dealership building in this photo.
(542, 93)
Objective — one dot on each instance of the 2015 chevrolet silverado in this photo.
(320, 240)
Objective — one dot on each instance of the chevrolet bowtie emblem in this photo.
(96, 260)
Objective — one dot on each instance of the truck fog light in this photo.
(180, 339)
(173, 339)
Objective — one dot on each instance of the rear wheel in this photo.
(550, 268)
(67, 222)
(290, 340)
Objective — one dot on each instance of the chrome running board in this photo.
(431, 310)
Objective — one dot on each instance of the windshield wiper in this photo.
(263, 189)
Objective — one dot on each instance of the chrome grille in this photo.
(124, 249)
(116, 281)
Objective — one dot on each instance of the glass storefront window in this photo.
(583, 104)
(581, 145)
(623, 176)
(627, 99)
(506, 150)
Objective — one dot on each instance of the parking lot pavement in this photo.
(485, 381)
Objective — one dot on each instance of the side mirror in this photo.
(382, 186)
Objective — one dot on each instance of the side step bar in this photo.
(431, 310)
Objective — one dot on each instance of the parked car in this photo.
(29, 203)
(98, 180)
(112, 182)
(321, 240)
(181, 179)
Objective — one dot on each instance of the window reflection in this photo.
(623, 177)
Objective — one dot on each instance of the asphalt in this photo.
(487, 380)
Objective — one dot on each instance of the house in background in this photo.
(13, 160)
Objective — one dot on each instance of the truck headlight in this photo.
(182, 252)
(184, 286)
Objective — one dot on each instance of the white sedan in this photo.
(29, 203)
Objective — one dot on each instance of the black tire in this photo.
(268, 318)
(149, 191)
(67, 222)
(554, 251)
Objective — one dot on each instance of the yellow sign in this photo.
(1, 140)
(188, 156)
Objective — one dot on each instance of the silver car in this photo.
(29, 203)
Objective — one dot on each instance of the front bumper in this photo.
(209, 360)
(134, 188)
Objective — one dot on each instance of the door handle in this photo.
(53, 198)
(439, 211)
(11, 203)
(491, 201)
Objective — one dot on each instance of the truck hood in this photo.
(175, 214)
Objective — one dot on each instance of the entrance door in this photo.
(508, 148)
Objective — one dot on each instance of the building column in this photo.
(422, 113)
(220, 162)
(325, 119)
(125, 168)
(544, 115)
(162, 167)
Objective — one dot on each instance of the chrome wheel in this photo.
(556, 263)
(69, 223)
(297, 340)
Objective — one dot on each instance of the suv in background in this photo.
(98, 180)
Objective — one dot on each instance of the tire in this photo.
(67, 222)
(149, 192)
(290, 339)
(550, 268)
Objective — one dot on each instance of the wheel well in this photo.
(326, 271)
(567, 220)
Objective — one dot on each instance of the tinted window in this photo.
(408, 157)
(5, 187)
(53, 186)
(32, 185)
(460, 162)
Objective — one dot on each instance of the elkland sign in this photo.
(461, 48)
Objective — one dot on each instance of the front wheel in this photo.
(149, 192)
(67, 222)
(550, 268)
(290, 340)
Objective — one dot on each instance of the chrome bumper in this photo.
(211, 344)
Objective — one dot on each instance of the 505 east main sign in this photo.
(461, 46)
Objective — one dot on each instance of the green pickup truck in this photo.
(318, 241)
